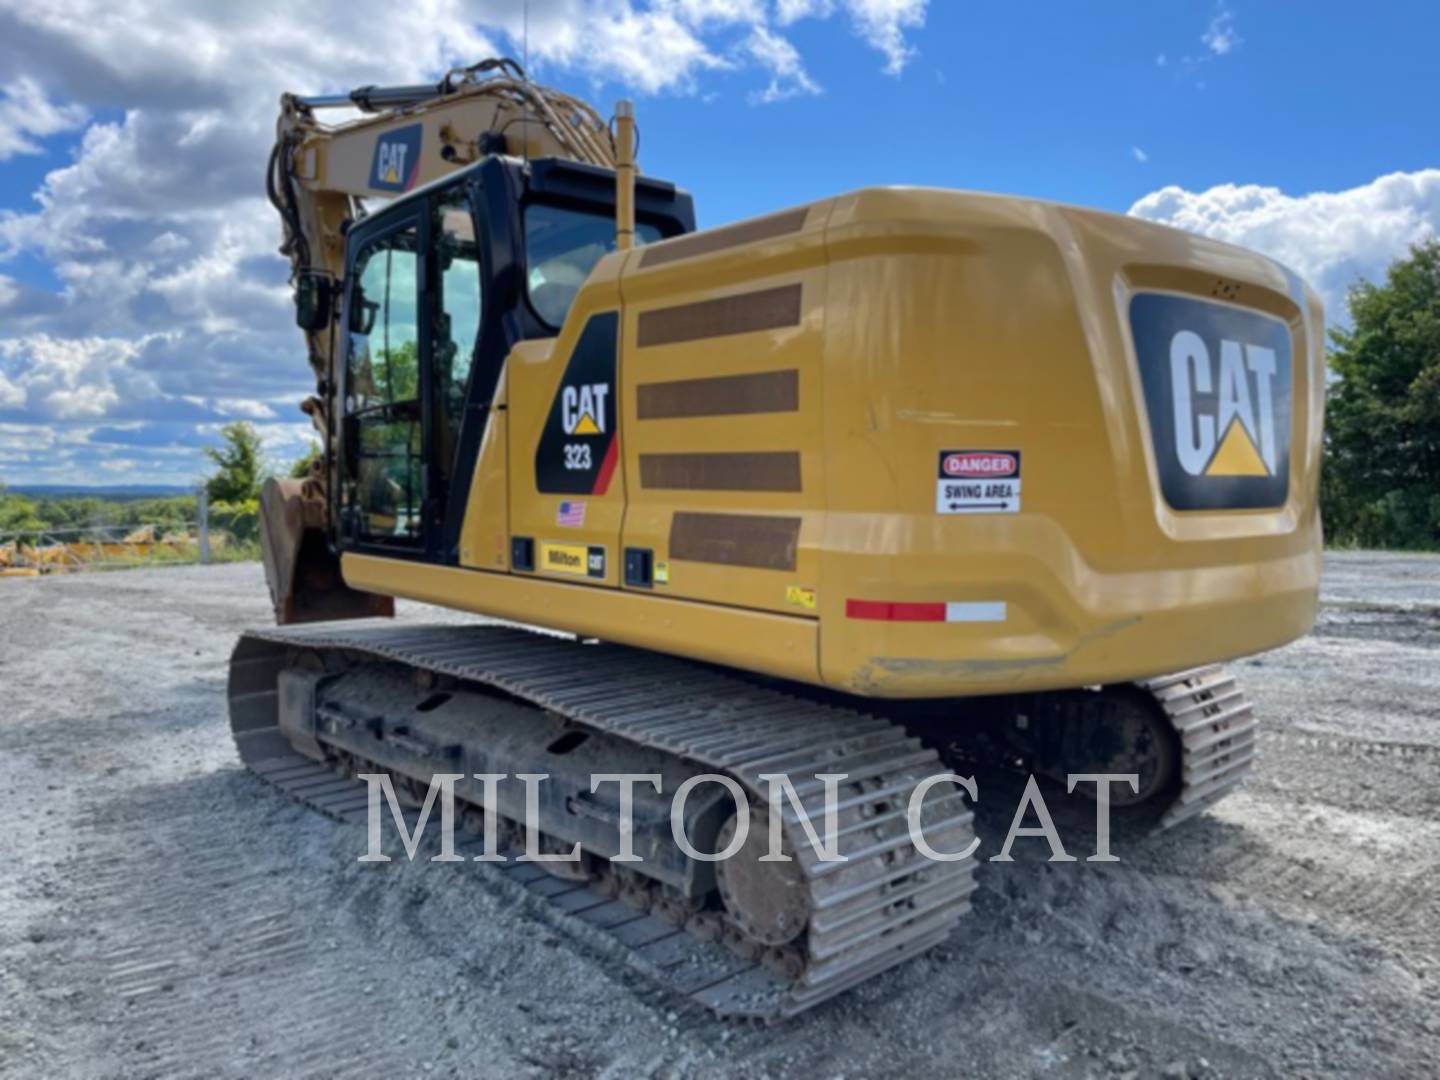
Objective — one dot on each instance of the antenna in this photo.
(529, 87)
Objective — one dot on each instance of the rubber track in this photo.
(883, 906)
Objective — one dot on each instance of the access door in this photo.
(384, 432)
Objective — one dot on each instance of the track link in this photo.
(1218, 732)
(1204, 744)
(882, 906)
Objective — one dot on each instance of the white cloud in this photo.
(11, 396)
(880, 23)
(1139, 155)
(166, 243)
(723, 12)
(285, 442)
(1331, 238)
(172, 307)
(27, 114)
(883, 24)
(23, 437)
(788, 75)
(69, 378)
(1220, 36)
(654, 49)
(244, 408)
(789, 11)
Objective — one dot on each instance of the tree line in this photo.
(33, 514)
(233, 491)
(1380, 484)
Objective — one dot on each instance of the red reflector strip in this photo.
(885, 611)
(867, 609)
(917, 612)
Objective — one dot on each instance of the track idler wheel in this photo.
(768, 901)
(1144, 744)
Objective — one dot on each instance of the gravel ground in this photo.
(164, 913)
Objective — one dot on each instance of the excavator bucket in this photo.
(302, 571)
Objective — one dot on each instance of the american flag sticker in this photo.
(571, 513)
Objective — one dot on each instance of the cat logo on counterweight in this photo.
(1217, 391)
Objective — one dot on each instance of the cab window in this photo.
(383, 388)
(457, 315)
(561, 248)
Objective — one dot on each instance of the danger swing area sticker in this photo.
(978, 482)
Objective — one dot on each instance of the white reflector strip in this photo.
(990, 611)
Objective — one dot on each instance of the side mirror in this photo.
(362, 313)
(314, 301)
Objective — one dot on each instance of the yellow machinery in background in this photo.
(92, 549)
(869, 485)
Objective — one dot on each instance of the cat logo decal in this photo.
(1217, 392)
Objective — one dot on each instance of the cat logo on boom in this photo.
(1217, 391)
(396, 166)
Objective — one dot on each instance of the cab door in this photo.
(413, 312)
(383, 433)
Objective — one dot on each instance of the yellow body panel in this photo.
(914, 322)
(734, 274)
(980, 321)
(532, 378)
(769, 644)
(485, 533)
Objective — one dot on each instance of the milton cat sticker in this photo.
(575, 560)
(1217, 392)
(578, 451)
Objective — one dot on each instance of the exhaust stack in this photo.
(624, 176)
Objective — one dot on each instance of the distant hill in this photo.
(99, 491)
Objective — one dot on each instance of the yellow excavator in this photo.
(756, 496)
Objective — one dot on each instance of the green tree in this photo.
(77, 512)
(398, 375)
(17, 513)
(169, 513)
(303, 464)
(1381, 484)
(239, 464)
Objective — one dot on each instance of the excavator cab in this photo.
(439, 286)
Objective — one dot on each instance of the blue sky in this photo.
(142, 304)
(1050, 100)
